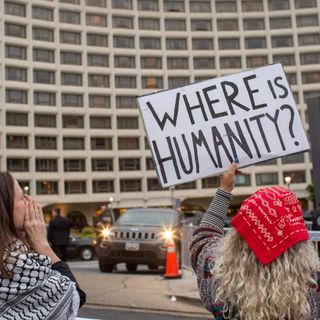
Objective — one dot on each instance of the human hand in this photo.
(227, 179)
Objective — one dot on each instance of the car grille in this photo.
(133, 235)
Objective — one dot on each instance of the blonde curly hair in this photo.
(276, 291)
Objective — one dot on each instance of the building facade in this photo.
(70, 129)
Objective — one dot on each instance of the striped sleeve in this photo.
(216, 213)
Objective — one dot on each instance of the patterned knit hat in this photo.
(270, 221)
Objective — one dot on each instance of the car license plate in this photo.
(132, 246)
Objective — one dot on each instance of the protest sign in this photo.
(195, 131)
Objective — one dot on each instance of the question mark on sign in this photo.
(286, 106)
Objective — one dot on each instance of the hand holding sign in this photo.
(227, 179)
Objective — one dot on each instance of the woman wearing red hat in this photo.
(265, 268)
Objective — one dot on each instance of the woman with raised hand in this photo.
(265, 267)
(34, 283)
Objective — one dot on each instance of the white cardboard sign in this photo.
(195, 131)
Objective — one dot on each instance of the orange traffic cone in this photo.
(172, 269)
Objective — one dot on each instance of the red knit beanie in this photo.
(271, 221)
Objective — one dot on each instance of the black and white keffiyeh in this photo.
(35, 291)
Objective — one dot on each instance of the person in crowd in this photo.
(316, 219)
(34, 282)
(265, 268)
(58, 234)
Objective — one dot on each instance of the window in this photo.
(18, 165)
(98, 80)
(68, 57)
(69, 1)
(16, 96)
(99, 101)
(43, 55)
(128, 143)
(255, 43)
(280, 23)
(177, 63)
(15, 30)
(96, 20)
(173, 6)
(130, 185)
(123, 42)
(73, 143)
(201, 25)
(42, 34)
(97, 40)
(296, 176)
(98, 60)
(126, 102)
(72, 122)
(227, 24)
(46, 165)
(150, 164)
(200, 6)
(307, 21)
(70, 37)
(122, 4)
(102, 186)
(69, 17)
(151, 63)
(176, 44)
(101, 143)
(71, 79)
(285, 59)
(42, 13)
(229, 44)
(311, 39)
(16, 74)
(125, 82)
(230, 62)
(97, 3)
(211, 182)
(252, 5)
(253, 24)
(174, 82)
(310, 58)
(43, 76)
(45, 143)
(311, 77)
(203, 63)
(294, 158)
(16, 52)
(127, 123)
(149, 24)
(122, 22)
(41, 98)
(16, 119)
(17, 142)
(301, 4)
(47, 187)
(266, 178)
(45, 120)
(150, 43)
(153, 184)
(175, 25)
(202, 44)
(100, 122)
(74, 165)
(124, 62)
(268, 162)
(186, 186)
(15, 9)
(281, 41)
(130, 164)
(152, 82)
(71, 100)
(72, 187)
(256, 61)
(148, 5)
(243, 180)
(226, 6)
(274, 5)
(101, 164)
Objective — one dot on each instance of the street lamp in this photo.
(173, 200)
(111, 208)
(26, 189)
(287, 181)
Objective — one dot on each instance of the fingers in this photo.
(233, 168)
(40, 213)
(32, 213)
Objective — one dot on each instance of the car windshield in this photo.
(147, 217)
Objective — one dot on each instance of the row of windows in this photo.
(17, 9)
(154, 43)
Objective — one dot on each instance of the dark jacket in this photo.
(58, 231)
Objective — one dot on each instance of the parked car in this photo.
(83, 248)
(139, 236)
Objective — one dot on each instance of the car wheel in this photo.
(153, 266)
(86, 253)
(103, 267)
(132, 267)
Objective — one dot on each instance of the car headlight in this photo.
(167, 234)
(106, 233)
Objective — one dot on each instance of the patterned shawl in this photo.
(35, 291)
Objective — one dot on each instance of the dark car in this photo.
(83, 248)
(140, 236)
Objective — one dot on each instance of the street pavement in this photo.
(144, 290)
